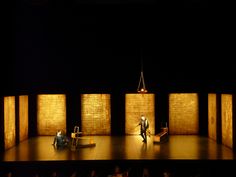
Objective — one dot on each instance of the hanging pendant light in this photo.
(141, 85)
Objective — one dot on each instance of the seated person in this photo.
(60, 140)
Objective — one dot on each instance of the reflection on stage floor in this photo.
(178, 147)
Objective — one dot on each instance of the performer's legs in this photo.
(143, 134)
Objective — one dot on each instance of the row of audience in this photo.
(115, 171)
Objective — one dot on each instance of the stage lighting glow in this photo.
(212, 124)
(9, 122)
(183, 113)
(23, 117)
(142, 90)
(227, 119)
(135, 106)
(96, 114)
(51, 113)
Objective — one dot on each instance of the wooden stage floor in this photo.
(178, 147)
(185, 156)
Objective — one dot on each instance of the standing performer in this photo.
(144, 124)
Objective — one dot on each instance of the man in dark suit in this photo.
(144, 124)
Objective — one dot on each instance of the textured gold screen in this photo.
(227, 116)
(135, 106)
(212, 116)
(183, 113)
(23, 117)
(51, 113)
(96, 114)
(9, 122)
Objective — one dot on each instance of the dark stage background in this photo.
(97, 46)
(78, 47)
(75, 47)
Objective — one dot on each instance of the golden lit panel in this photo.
(9, 122)
(96, 114)
(226, 119)
(212, 116)
(51, 113)
(135, 106)
(183, 113)
(23, 117)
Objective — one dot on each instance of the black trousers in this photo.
(144, 135)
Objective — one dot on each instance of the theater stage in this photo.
(182, 153)
(178, 147)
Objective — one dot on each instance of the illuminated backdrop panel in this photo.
(135, 106)
(51, 113)
(183, 113)
(226, 119)
(96, 114)
(9, 122)
(212, 124)
(23, 117)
